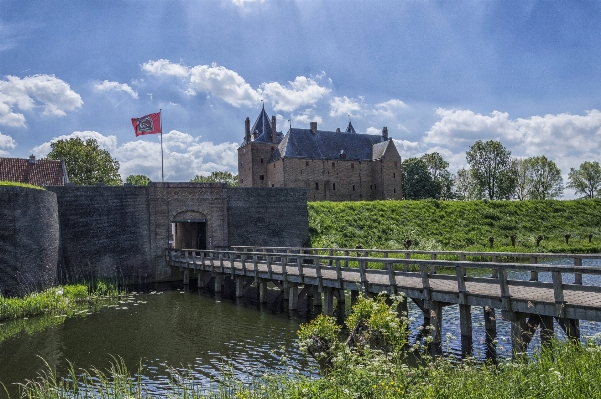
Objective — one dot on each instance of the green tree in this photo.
(217, 177)
(417, 180)
(543, 178)
(87, 164)
(521, 183)
(465, 188)
(438, 168)
(138, 180)
(491, 169)
(586, 180)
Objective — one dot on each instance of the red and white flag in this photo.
(149, 124)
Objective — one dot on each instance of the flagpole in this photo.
(162, 169)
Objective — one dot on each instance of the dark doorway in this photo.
(190, 234)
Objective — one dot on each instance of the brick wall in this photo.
(29, 237)
(267, 216)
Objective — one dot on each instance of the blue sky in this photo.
(439, 75)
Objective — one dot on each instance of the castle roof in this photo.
(350, 128)
(262, 128)
(42, 172)
(303, 143)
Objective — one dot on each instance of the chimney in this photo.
(247, 130)
(274, 133)
(337, 130)
(32, 158)
(385, 133)
(313, 127)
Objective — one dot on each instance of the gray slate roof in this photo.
(263, 127)
(302, 143)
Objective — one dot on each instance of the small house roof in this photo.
(42, 172)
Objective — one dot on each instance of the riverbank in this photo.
(458, 225)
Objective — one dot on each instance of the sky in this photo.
(439, 74)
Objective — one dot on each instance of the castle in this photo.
(331, 166)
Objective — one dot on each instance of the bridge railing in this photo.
(297, 263)
(531, 258)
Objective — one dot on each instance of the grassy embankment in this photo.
(458, 225)
(16, 184)
(51, 306)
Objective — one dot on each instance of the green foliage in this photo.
(56, 300)
(417, 180)
(87, 164)
(438, 169)
(457, 225)
(538, 178)
(138, 180)
(17, 184)
(586, 180)
(217, 177)
(491, 169)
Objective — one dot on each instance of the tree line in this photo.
(491, 173)
(494, 175)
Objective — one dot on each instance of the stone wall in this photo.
(29, 239)
(267, 216)
(104, 233)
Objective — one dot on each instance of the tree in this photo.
(438, 168)
(586, 180)
(417, 180)
(491, 169)
(138, 180)
(465, 188)
(521, 184)
(543, 178)
(217, 177)
(87, 164)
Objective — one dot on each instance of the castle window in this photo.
(261, 160)
(306, 163)
(272, 185)
(370, 187)
(395, 190)
(317, 186)
(352, 165)
(333, 164)
(353, 187)
(241, 180)
(394, 175)
(395, 164)
(272, 148)
(274, 165)
(374, 186)
(334, 186)
(261, 177)
(240, 164)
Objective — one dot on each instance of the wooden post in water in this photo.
(316, 297)
(218, 283)
(465, 321)
(435, 309)
(519, 326)
(187, 277)
(490, 326)
(328, 301)
(293, 298)
(239, 287)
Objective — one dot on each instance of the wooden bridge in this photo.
(432, 279)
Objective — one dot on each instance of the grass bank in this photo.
(458, 225)
(54, 301)
(17, 184)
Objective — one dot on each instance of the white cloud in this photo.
(223, 83)
(164, 67)
(6, 142)
(373, 130)
(52, 94)
(218, 81)
(115, 86)
(389, 108)
(242, 3)
(305, 118)
(184, 155)
(300, 92)
(345, 106)
(108, 143)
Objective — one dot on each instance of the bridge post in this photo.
(578, 276)
(187, 277)
(465, 321)
(533, 274)
(316, 297)
(490, 326)
(293, 298)
(341, 298)
(239, 287)
(435, 310)
(262, 291)
(354, 297)
(219, 283)
(328, 301)
(519, 326)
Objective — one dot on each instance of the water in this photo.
(170, 327)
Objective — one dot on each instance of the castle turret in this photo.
(274, 133)
(385, 133)
(247, 130)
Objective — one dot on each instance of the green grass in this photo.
(55, 301)
(457, 225)
(16, 184)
